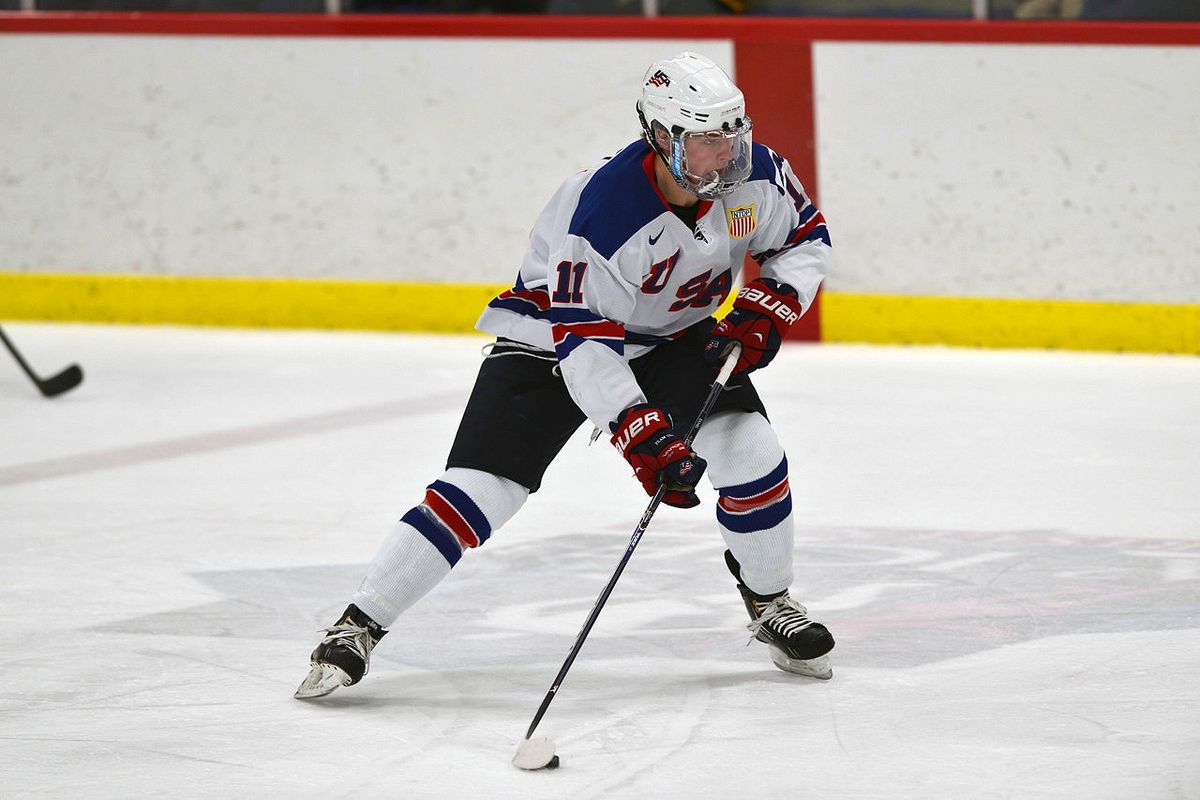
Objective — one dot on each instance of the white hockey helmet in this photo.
(694, 102)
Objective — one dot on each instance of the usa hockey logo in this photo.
(741, 221)
(659, 78)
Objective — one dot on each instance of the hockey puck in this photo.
(554, 762)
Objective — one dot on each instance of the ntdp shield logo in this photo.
(741, 221)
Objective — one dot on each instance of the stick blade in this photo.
(64, 381)
(535, 753)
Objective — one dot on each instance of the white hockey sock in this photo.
(406, 567)
(747, 466)
(460, 511)
(756, 523)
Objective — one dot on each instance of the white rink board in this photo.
(1027, 171)
(374, 158)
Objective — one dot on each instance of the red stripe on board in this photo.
(742, 30)
(777, 79)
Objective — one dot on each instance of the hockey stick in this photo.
(64, 381)
(539, 753)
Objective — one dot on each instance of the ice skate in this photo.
(797, 644)
(343, 656)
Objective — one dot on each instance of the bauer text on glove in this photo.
(643, 434)
(762, 314)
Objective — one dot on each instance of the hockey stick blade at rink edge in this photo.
(538, 753)
(55, 385)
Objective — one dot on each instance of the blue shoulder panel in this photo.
(765, 162)
(617, 202)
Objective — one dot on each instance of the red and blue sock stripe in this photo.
(757, 505)
(450, 520)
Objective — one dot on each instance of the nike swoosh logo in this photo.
(654, 239)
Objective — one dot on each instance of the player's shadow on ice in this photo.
(518, 690)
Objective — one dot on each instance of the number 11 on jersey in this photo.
(570, 282)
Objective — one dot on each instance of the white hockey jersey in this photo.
(611, 271)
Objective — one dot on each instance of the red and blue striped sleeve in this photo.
(573, 326)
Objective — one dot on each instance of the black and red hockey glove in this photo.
(761, 316)
(643, 435)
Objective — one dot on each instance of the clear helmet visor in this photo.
(712, 163)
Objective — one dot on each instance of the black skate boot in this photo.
(797, 643)
(343, 656)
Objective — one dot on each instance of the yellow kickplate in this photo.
(989, 322)
(245, 302)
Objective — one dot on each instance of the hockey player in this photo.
(609, 320)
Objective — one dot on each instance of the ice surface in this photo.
(1005, 544)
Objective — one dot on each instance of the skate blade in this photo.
(812, 668)
(320, 681)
